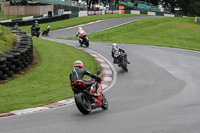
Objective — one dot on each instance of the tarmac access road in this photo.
(159, 94)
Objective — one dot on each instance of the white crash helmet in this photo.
(115, 47)
(78, 63)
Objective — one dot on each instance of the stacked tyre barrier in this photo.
(15, 60)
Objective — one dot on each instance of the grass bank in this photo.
(48, 81)
(7, 39)
(169, 32)
(76, 21)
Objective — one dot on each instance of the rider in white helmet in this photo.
(115, 47)
(80, 33)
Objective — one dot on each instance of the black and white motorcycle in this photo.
(119, 58)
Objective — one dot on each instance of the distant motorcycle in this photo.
(119, 58)
(85, 99)
(45, 32)
(35, 32)
(84, 41)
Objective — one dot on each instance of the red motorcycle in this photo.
(84, 97)
(84, 40)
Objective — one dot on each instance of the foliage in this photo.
(187, 7)
(7, 39)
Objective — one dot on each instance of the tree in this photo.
(155, 2)
(190, 7)
(89, 2)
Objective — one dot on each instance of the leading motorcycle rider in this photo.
(115, 47)
(36, 26)
(78, 73)
(80, 34)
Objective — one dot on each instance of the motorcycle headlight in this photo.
(116, 54)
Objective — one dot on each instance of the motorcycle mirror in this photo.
(98, 72)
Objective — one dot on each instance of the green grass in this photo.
(7, 39)
(6, 17)
(48, 81)
(76, 21)
(168, 32)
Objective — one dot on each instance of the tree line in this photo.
(184, 7)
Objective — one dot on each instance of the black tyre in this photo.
(104, 102)
(3, 67)
(81, 43)
(6, 71)
(2, 60)
(10, 74)
(26, 64)
(124, 66)
(12, 68)
(43, 33)
(16, 55)
(9, 57)
(8, 64)
(87, 43)
(17, 70)
(32, 34)
(16, 61)
(3, 77)
(38, 34)
(83, 103)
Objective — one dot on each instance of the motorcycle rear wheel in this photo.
(83, 103)
(87, 44)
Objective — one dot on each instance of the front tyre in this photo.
(83, 103)
(124, 66)
(104, 102)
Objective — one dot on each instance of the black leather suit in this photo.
(78, 74)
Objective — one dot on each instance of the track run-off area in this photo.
(159, 94)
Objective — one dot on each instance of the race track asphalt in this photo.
(159, 94)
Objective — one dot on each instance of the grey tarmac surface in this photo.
(159, 94)
(96, 26)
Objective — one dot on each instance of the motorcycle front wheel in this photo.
(83, 103)
(124, 66)
(104, 102)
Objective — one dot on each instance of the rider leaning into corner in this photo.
(78, 73)
(47, 28)
(115, 47)
(80, 33)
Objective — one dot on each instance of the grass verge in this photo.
(169, 32)
(7, 39)
(48, 81)
(76, 21)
